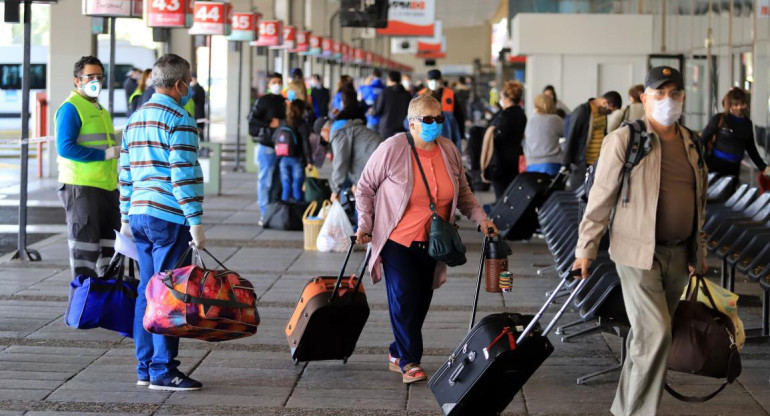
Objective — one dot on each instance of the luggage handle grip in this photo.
(456, 374)
(337, 284)
(524, 334)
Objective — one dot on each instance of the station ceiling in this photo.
(463, 13)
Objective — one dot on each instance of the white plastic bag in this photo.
(336, 231)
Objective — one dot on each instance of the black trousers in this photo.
(93, 215)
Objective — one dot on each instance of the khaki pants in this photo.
(651, 296)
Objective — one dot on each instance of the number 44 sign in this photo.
(212, 18)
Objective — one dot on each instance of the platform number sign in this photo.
(302, 42)
(169, 13)
(211, 18)
(244, 26)
(270, 33)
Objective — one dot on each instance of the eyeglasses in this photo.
(661, 94)
(92, 77)
(430, 119)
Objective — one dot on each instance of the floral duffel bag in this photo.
(196, 302)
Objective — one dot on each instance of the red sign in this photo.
(270, 33)
(337, 50)
(345, 52)
(315, 45)
(245, 26)
(327, 47)
(212, 18)
(369, 58)
(289, 33)
(169, 13)
(359, 56)
(302, 44)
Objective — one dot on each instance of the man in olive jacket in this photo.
(654, 236)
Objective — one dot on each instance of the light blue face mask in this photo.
(430, 132)
(185, 99)
(291, 95)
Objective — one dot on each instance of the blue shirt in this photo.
(369, 94)
(159, 171)
(67, 131)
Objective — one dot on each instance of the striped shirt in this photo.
(159, 171)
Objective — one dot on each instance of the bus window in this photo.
(10, 76)
(121, 71)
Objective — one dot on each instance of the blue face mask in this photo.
(184, 100)
(291, 95)
(430, 132)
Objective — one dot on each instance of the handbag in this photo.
(444, 243)
(282, 215)
(197, 302)
(703, 342)
(107, 302)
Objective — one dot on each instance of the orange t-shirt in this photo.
(415, 223)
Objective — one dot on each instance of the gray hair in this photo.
(420, 103)
(169, 69)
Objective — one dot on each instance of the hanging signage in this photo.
(336, 50)
(410, 18)
(327, 47)
(212, 18)
(302, 43)
(169, 13)
(315, 45)
(270, 33)
(359, 56)
(369, 58)
(113, 8)
(345, 52)
(245, 27)
(763, 9)
(289, 33)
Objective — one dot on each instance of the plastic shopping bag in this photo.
(726, 302)
(336, 231)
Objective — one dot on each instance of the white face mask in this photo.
(666, 111)
(406, 83)
(93, 88)
(433, 84)
(275, 89)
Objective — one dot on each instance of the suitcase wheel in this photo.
(345, 360)
(296, 362)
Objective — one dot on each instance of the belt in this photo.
(672, 243)
(419, 245)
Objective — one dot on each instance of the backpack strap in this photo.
(290, 130)
(637, 148)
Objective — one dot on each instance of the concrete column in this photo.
(69, 39)
(181, 44)
(231, 113)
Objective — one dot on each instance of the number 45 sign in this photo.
(169, 13)
(211, 18)
(245, 26)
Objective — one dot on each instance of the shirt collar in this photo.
(165, 99)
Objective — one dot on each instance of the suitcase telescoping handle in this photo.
(548, 302)
(360, 275)
(478, 280)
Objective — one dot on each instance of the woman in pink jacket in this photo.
(394, 215)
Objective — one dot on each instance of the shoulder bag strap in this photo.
(422, 173)
(694, 399)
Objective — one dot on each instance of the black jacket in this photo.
(199, 98)
(577, 135)
(129, 86)
(509, 133)
(391, 106)
(351, 112)
(265, 109)
(734, 137)
(303, 151)
(321, 97)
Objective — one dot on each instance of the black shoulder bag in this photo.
(444, 243)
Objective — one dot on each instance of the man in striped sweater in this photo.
(161, 196)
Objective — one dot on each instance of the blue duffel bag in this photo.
(106, 302)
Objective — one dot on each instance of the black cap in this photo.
(661, 75)
(296, 73)
(434, 74)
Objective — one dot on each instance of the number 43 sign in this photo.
(211, 18)
(169, 13)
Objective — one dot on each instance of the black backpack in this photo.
(638, 147)
(285, 142)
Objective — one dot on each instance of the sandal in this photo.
(413, 373)
(393, 364)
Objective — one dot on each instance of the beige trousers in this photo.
(651, 296)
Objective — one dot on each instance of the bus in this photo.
(126, 57)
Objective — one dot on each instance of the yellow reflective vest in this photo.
(95, 131)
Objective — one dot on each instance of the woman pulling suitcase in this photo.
(395, 211)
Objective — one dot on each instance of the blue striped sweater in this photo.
(159, 171)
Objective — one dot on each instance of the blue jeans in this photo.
(160, 245)
(292, 176)
(409, 284)
(266, 161)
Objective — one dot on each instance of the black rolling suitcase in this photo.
(329, 316)
(495, 359)
(515, 214)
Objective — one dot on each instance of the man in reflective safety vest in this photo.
(453, 114)
(88, 171)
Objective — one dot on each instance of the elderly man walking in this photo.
(161, 196)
